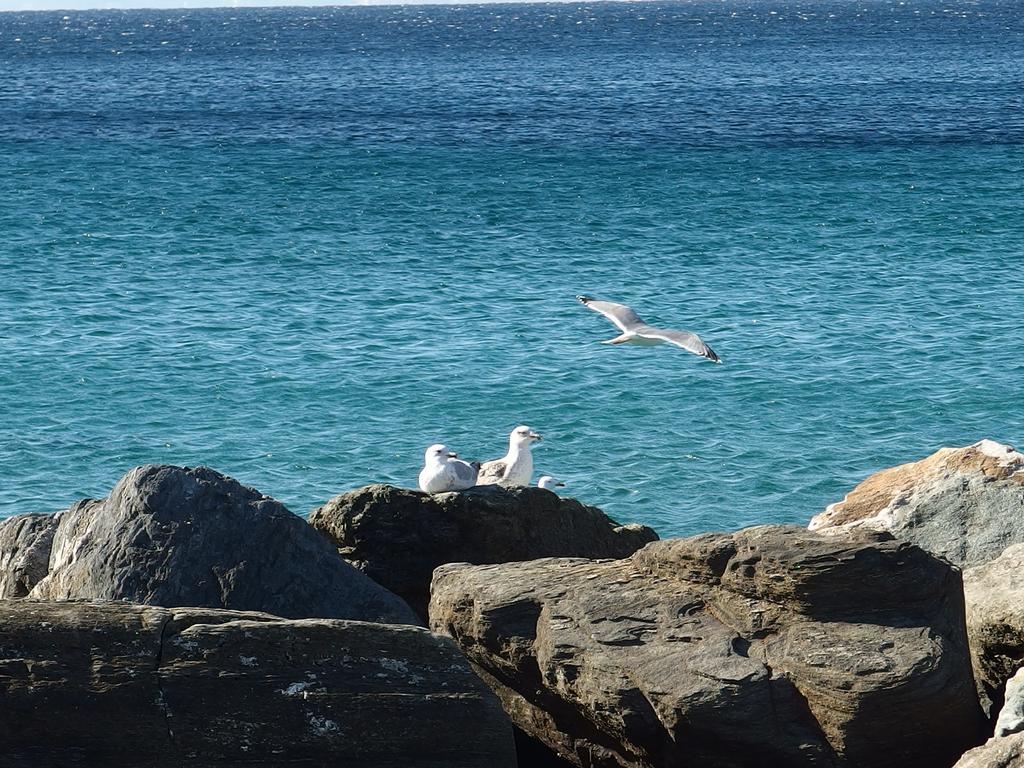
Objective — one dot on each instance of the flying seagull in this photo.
(443, 471)
(636, 331)
(516, 466)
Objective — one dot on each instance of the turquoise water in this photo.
(300, 245)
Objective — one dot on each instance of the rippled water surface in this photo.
(299, 245)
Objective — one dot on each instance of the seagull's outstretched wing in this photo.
(623, 317)
(691, 342)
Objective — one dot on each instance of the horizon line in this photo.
(245, 5)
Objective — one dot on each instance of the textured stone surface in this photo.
(175, 536)
(121, 685)
(996, 753)
(966, 504)
(25, 542)
(772, 646)
(398, 537)
(1011, 717)
(994, 596)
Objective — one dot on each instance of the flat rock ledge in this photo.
(179, 536)
(123, 686)
(965, 504)
(398, 537)
(772, 646)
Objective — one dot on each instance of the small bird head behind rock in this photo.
(548, 483)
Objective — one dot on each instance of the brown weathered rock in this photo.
(966, 504)
(994, 596)
(398, 537)
(175, 536)
(996, 753)
(772, 646)
(124, 686)
(24, 552)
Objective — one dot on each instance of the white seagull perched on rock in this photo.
(548, 483)
(636, 331)
(516, 466)
(444, 471)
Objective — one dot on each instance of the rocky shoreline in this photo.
(187, 619)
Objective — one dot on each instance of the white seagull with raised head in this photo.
(636, 331)
(443, 471)
(548, 483)
(516, 466)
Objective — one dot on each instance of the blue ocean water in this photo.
(300, 245)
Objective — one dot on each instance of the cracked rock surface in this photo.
(178, 536)
(120, 685)
(771, 646)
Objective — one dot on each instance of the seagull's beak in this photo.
(453, 455)
(560, 485)
(535, 436)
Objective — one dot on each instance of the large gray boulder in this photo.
(122, 686)
(176, 536)
(966, 504)
(25, 542)
(398, 537)
(996, 753)
(772, 646)
(994, 596)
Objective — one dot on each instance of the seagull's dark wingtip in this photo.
(583, 299)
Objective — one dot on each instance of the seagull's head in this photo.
(522, 436)
(549, 483)
(436, 454)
